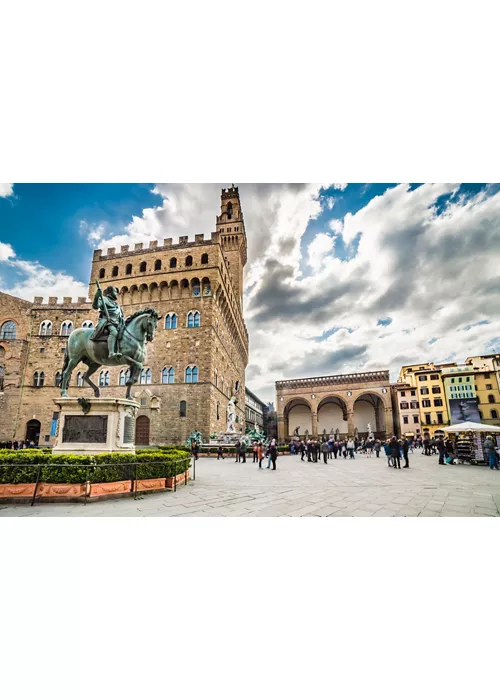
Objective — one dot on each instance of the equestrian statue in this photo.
(114, 341)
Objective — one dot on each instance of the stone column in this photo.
(350, 422)
(281, 428)
(314, 424)
(388, 421)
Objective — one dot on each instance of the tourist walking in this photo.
(194, 449)
(325, 449)
(441, 448)
(376, 447)
(426, 446)
(395, 452)
(387, 450)
(309, 450)
(255, 451)
(302, 449)
(273, 454)
(335, 449)
(220, 452)
(406, 447)
(490, 452)
(237, 452)
(316, 449)
(350, 448)
(260, 454)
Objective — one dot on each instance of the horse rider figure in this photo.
(110, 318)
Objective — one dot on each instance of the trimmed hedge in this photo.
(21, 466)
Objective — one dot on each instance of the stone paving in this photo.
(344, 487)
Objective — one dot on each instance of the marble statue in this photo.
(231, 415)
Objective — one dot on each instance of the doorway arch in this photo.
(297, 414)
(33, 431)
(142, 430)
(369, 408)
(332, 416)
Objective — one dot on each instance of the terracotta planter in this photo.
(151, 484)
(46, 490)
(110, 489)
(179, 479)
(17, 490)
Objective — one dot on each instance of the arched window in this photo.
(8, 331)
(142, 267)
(168, 375)
(38, 379)
(193, 319)
(494, 413)
(230, 210)
(157, 264)
(46, 328)
(173, 262)
(236, 386)
(79, 379)
(191, 374)
(170, 321)
(204, 259)
(491, 398)
(104, 378)
(102, 272)
(182, 409)
(66, 328)
(114, 272)
(87, 324)
(145, 377)
(217, 410)
(124, 376)
(189, 261)
(128, 269)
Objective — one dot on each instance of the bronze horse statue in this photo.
(138, 329)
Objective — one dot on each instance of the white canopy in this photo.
(475, 427)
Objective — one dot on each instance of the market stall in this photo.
(469, 438)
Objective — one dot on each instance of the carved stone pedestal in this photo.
(90, 426)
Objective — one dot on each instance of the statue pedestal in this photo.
(90, 426)
(229, 438)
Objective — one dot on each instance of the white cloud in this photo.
(6, 189)
(432, 272)
(37, 280)
(340, 186)
(6, 251)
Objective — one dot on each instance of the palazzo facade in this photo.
(342, 404)
(196, 362)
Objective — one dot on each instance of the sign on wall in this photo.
(462, 410)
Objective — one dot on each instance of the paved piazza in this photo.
(364, 487)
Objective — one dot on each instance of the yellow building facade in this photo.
(427, 380)
(486, 369)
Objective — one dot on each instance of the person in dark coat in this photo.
(274, 454)
(220, 452)
(335, 449)
(325, 449)
(316, 449)
(302, 449)
(441, 447)
(395, 452)
(309, 448)
(237, 452)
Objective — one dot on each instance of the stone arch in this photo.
(195, 287)
(164, 291)
(332, 415)
(154, 292)
(134, 294)
(144, 293)
(297, 411)
(175, 292)
(206, 288)
(369, 407)
(185, 291)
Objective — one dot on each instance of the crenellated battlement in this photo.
(168, 244)
(67, 302)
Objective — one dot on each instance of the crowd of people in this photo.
(395, 450)
(18, 445)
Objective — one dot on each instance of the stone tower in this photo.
(231, 228)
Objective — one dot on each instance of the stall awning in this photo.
(470, 426)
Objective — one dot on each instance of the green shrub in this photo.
(22, 466)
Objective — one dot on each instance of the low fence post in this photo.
(194, 468)
(87, 485)
(36, 484)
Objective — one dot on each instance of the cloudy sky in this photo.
(340, 277)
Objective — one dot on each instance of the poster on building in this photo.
(462, 410)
